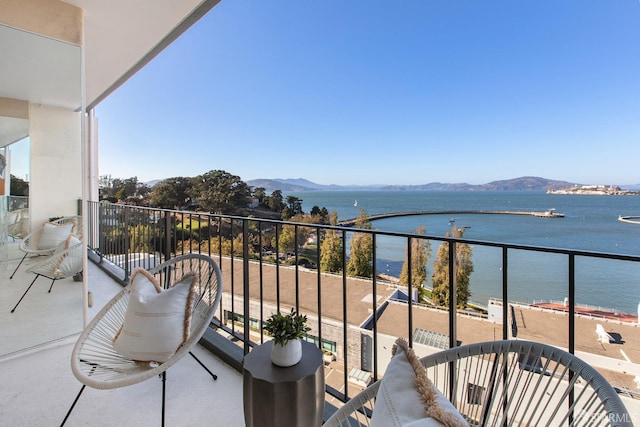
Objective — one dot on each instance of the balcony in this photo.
(340, 309)
(38, 386)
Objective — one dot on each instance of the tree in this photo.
(259, 193)
(143, 191)
(463, 268)
(220, 192)
(331, 248)
(128, 189)
(105, 188)
(275, 201)
(361, 254)
(331, 252)
(321, 215)
(18, 187)
(420, 253)
(285, 213)
(172, 193)
(324, 213)
(295, 205)
(121, 194)
(286, 239)
(332, 217)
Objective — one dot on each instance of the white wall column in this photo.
(56, 163)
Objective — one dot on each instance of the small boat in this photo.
(552, 213)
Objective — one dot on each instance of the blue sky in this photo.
(388, 92)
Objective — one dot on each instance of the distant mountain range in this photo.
(525, 183)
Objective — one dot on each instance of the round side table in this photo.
(275, 396)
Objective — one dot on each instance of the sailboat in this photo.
(355, 203)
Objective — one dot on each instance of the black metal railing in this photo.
(269, 265)
(15, 203)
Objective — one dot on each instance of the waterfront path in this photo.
(546, 214)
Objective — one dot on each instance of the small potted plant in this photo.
(327, 356)
(287, 331)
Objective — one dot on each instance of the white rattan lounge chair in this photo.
(62, 264)
(17, 222)
(30, 245)
(96, 363)
(509, 383)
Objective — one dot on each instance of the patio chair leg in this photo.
(72, 405)
(51, 287)
(25, 293)
(19, 264)
(215, 377)
(164, 384)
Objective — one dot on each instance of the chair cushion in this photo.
(71, 240)
(66, 262)
(53, 234)
(12, 217)
(157, 321)
(407, 397)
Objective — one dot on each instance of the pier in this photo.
(545, 214)
(629, 219)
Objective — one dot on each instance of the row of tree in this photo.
(420, 254)
(18, 186)
(220, 192)
(128, 190)
(414, 268)
(216, 191)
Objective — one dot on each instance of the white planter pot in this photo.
(287, 355)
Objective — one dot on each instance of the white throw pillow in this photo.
(53, 234)
(65, 263)
(157, 321)
(12, 217)
(408, 398)
(71, 240)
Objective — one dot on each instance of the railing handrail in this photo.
(350, 229)
(163, 236)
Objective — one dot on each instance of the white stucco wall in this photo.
(56, 163)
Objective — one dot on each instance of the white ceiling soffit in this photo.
(41, 70)
(121, 36)
(12, 130)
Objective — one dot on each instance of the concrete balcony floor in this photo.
(38, 386)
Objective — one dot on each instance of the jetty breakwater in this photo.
(550, 213)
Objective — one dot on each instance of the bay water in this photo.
(590, 223)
